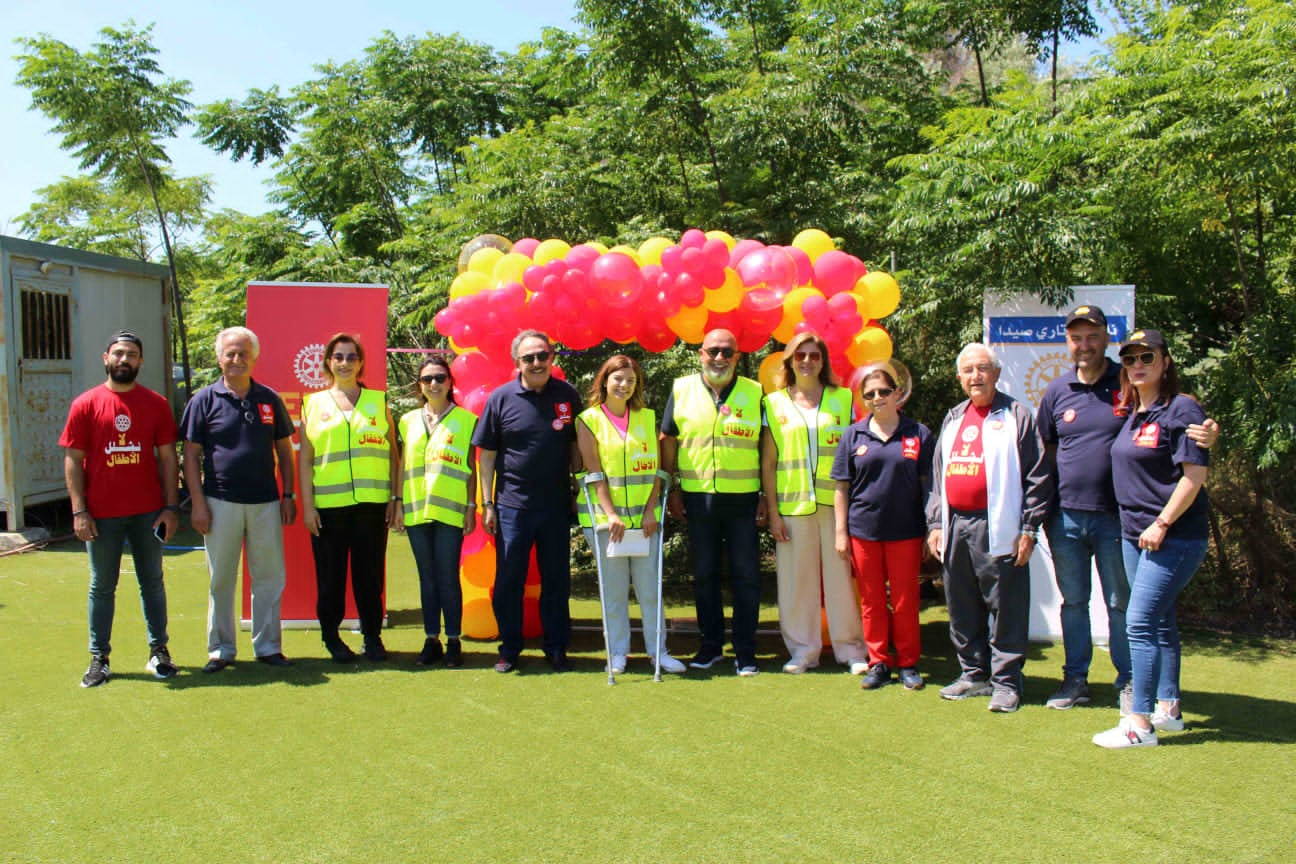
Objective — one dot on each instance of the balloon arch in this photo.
(653, 295)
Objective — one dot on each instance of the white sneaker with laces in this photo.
(1163, 721)
(859, 667)
(796, 666)
(1124, 735)
(670, 664)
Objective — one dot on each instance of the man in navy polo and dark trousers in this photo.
(526, 441)
(234, 432)
(1079, 417)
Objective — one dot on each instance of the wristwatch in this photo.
(288, 496)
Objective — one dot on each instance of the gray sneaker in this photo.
(1073, 692)
(1004, 701)
(965, 688)
(1125, 699)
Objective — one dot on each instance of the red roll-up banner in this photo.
(293, 322)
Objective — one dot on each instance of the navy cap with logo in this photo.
(1092, 314)
(1143, 339)
(124, 336)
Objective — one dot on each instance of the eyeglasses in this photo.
(806, 356)
(339, 357)
(537, 357)
(879, 393)
(1147, 358)
(434, 378)
(246, 407)
(713, 353)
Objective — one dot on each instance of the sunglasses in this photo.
(246, 407)
(1147, 358)
(713, 353)
(806, 356)
(537, 357)
(434, 378)
(879, 393)
(339, 357)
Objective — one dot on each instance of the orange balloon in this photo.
(727, 297)
(792, 312)
(479, 619)
(769, 367)
(479, 568)
(881, 291)
(688, 323)
(869, 345)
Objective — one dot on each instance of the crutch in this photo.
(661, 601)
(586, 482)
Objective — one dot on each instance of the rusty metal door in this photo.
(45, 377)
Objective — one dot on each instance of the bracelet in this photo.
(488, 504)
(396, 498)
(76, 513)
(288, 496)
(1161, 523)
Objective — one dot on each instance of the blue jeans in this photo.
(105, 553)
(1156, 578)
(436, 548)
(518, 531)
(725, 523)
(1077, 538)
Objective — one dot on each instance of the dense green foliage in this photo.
(919, 132)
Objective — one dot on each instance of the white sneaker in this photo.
(670, 664)
(618, 663)
(859, 667)
(1164, 722)
(796, 667)
(1126, 734)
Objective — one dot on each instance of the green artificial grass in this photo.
(395, 763)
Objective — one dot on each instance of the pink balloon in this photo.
(670, 260)
(582, 256)
(476, 399)
(712, 275)
(716, 251)
(840, 305)
(761, 300)
(836, 271)
(805, 270)
(573, 281)
(693, 238)
(540, 310)
(526, 246)
(692, 260)
(533, 278)
(814, 309)
(617, 277)
(651, 273)
(556, 267)
(770, 267)
(688, 290)
(510, 297)
(551, 284)
(742, 249)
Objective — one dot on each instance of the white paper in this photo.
(633, 544)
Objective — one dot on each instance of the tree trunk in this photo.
(1055, 65)
(985, 94)
(176, 303)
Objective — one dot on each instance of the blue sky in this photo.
(223, 49)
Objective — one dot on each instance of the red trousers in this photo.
(877, 564)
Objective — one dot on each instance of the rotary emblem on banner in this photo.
(1042, 371)
(308, 367)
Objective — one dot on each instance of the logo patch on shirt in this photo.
(996, 425)
(122, 423)
(1148, 435)
(970, 433)
(911, 447)
(1119, 408)
(1069, 415)
(725, 410)
(563, 411)
(267, 413)
(861, 450)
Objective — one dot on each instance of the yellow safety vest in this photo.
(435, 468)
(630, 463)
(798, 494)
(719, 451)
(352, 460)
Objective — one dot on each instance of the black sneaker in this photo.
(910, 678)
(160, 663)
(1074, 691)
(879, 675)
(97, 673)
(339, 650)
(374, 650)
(454, 654)
(705, 658)
(431, 652)
(558, 660)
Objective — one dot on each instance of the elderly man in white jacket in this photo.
(991, 492)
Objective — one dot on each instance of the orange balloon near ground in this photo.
(479, 568)
(769, 368)
(881, 292)
(479, 619)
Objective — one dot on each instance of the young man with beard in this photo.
(122, 476)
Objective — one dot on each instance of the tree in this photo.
(114, 111)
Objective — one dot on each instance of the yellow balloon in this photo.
(792, 312)
(813, 242)
(550, 250)
(650, 251)
(601, 247)
(881, 291)
(869, 345)
(628, 250)
(722, 235)
(481, 241)
(689, 323)
(469, 282)
(479, 619)
(509, 268)
(769, 368)
(727, 296)
(483, 260)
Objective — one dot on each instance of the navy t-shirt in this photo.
(531, 433)
(237, 437)
(889, 480)
(1083, 420)
(1147, 456)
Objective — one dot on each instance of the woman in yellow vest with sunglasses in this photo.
(347, 466)
(439, 503)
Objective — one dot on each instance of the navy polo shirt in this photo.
(1083, 420)
(889, 480)
(531, 433)
(1147, 458)
(237, 437)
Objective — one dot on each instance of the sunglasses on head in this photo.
(537, 357)
(879, 393)
(339, 357)
(713, 353)
(434, 378)
(806, 356)
(1147, 358)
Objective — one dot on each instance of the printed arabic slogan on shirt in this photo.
(967, 459)
(121, 451)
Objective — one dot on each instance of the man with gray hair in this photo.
(234, 433)
(991, 492)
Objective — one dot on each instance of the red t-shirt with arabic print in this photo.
(965, 476)
(117, 432)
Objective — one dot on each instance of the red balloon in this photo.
(533, 278)
(616, 276)
(476, 399)
(670, 260)
(731, 321)
(688, 290)
(551, 284)
(621, 326)
(656, 338)
(578, 337)
(814, 309)
(583, 256)
(573, 281)
(751, 340)
(836, 271)
(692, 260)
(716, 252)
(805, 270)
(712, 275)
(540, 310)
(557, 372)
(693, 238)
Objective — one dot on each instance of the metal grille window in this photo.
(46, 326)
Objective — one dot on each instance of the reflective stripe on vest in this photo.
(630, 463)
(352, 459)
(436, 470)
(797, 495)
(719, 451)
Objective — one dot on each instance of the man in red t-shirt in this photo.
(123, 478)
(991, 492)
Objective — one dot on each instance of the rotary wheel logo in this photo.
(308, 367)
(122, 422)
(1042, 371)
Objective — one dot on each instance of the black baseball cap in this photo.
(124, 336)
(1143, 339)
(1092, 314)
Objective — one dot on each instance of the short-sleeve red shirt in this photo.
(965, 476)
(118, 433)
